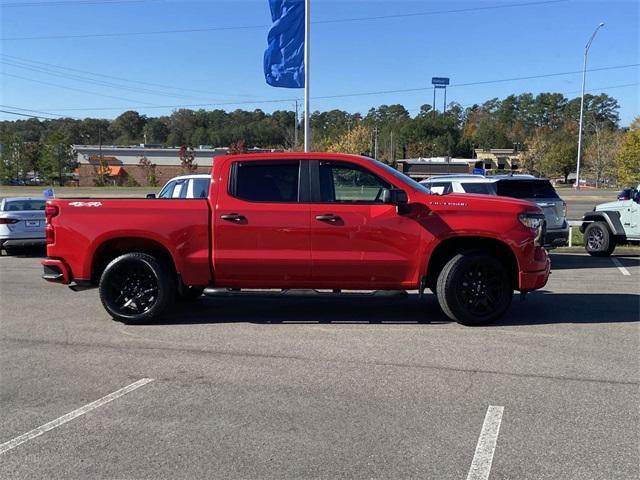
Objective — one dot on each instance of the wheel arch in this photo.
(114, 247)
(611, 218)
(448, 248)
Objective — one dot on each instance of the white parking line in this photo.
(36, 432)
(481, 464)
(617, 263)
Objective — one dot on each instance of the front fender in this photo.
(611, 218)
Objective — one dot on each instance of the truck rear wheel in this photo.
(598, 241)
(474, 289)
(136, 288)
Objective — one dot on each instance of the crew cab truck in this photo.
(299, 221)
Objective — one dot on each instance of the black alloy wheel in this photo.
(474, 289)
(136, 288)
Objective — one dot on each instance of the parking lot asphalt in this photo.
(273, 387)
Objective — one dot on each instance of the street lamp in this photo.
(584, 76)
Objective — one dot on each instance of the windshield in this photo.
(401, 176)
(24, 205)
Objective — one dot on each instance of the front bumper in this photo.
(528, 281)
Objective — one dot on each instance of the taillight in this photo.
(50, 211)
(8, 221)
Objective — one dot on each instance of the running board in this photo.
(382, 294)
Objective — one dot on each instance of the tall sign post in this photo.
(440, 82)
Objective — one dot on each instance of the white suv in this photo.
(525, 187)
(185, 186)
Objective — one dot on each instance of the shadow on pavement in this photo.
(539, 308)
(570, 261)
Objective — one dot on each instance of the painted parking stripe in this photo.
(617, 263)
(481, 464)
(36, 432)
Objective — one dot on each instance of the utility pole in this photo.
(375, 144)
(391, 148)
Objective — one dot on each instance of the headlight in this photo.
(530, 220)
(536, 222)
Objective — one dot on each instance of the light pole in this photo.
(584, 76)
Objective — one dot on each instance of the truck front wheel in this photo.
(598, 241)
(474, 289)
(136, 288)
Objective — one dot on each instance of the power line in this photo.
(355, 94)
(26, 115)
(102, 75)
(319, 22)
(148, 105)
(55, 116)
(61, 3)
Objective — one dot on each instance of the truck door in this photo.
(631, 217)
(261, 234)
(356, 240)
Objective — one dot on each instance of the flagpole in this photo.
(307, 28)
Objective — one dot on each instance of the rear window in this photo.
(484, 188)
(267, 182)
(24, 205)
(526, 189)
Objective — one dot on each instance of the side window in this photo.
(484, 188)
(266, 182)
(200, 187)
(180, 190)
(440, 188)
(167, 191)
(341, 182)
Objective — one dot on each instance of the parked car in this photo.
(22, 223)
(185, 186)
(611, 224)
(626, 194)
(525, 187)
(299, 221)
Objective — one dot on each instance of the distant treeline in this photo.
(544, 125)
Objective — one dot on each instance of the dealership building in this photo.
(124, 166)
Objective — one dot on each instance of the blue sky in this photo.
(225, 66)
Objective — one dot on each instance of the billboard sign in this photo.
(440, 81)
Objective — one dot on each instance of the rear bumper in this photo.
(56, 271)
(556, 238)
(534, 280)
(23, 242)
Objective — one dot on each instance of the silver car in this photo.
(22, 223)
(525, 187)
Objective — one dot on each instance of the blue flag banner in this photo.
(48, 193)
(284, 56)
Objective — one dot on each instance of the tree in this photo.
(128, 127)
(354, 141)
(533, 157)
(561, 158)
(600, 154)
(187, 159)
(58, 160)
(149, 170)
(628, 159)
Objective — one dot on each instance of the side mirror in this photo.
(151, 195)
(394, 196)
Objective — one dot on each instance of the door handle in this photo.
(233, 217)
(329, 217)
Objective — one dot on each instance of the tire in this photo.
(474, 288)
(136, 288)
(598, 241)
(189, 294)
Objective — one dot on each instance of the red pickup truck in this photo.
(299, 221)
